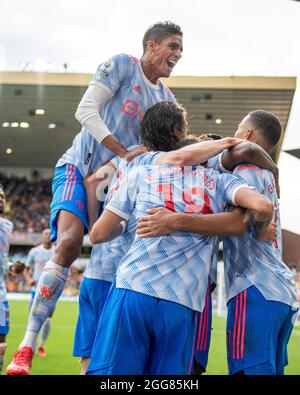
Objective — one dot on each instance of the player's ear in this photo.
(250, 135)
(151, 45)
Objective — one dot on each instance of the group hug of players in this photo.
(156, 202)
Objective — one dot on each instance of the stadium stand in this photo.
(27, 202)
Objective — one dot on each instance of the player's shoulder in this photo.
(168, 91)
(124, 59)
(250, 168)
(6, 224)
(37, 248)
(116, 63)
(212, 173)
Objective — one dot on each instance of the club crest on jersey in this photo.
(137, 88)
(79, 204)
(46, 291)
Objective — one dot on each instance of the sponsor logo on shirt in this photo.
(131, 109)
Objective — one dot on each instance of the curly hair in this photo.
(163, 125)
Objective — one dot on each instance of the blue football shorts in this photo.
(258, 331)
(69, 194)
(140, 334)
(203, 333)
(92, 296)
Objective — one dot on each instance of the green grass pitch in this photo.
(59, 345)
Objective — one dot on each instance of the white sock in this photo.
(49, 289)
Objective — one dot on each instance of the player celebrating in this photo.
(36, 260)
(123, 88)
(99, 274)
(261, 293)
(6, 228)
(260, 288)
(148, 322)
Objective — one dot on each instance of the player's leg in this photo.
(44, 334)
(203, 335)
(32, 295)
(92, 296)
(122, 343)
(283, 339)
(2, 350)
(68, 224)
(173, 339)
(53, 278)
(253, 324)
(4, 329)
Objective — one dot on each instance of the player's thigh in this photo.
(203, 332)
(122, 345)
(252, 327)
(98, 292)
(172, 345)
(283, 339)
(69, 196)
(86, 324)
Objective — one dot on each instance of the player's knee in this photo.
(90, 180)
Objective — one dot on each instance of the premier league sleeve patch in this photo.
(104, 69)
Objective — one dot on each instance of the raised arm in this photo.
(197, 153)
(249, 152)
(162, 222)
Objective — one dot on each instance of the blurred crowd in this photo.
(28, 202)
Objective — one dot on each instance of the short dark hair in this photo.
(160, 124)
(159, 31)
(267, 124)
(1, 187)
(184, 142)
(214, 136)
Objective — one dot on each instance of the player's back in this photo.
(249, 261)
(173, 267)
(105, 257)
